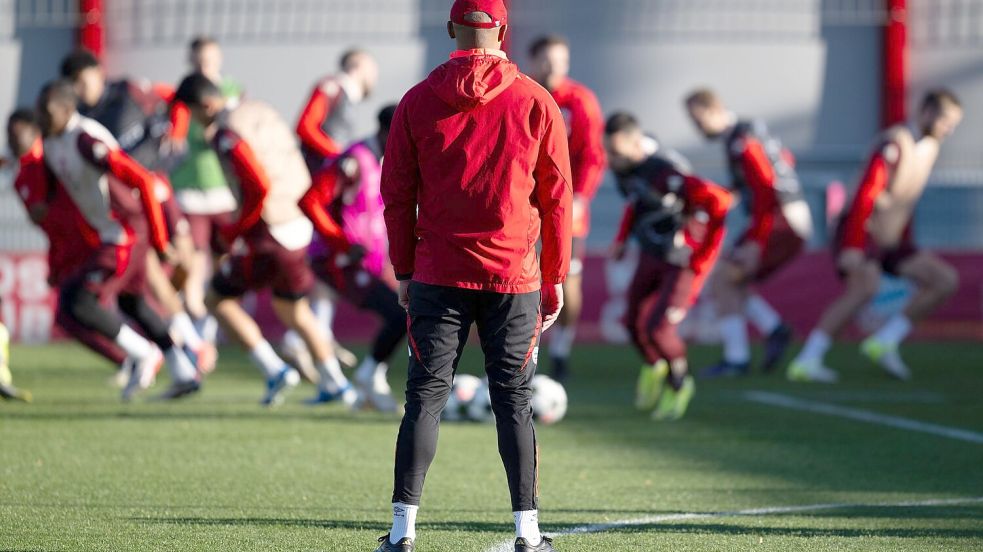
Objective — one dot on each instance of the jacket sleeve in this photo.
(587, 157)
(180, 117)
(760, 178)
(309, 126)
(874, 181)
(254, 184)
(33, 183)
(703, 196)
(116, 162)
(554, 197)
(400, 183)
(321, 193)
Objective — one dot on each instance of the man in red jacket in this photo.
(585, 129)
(477, 171)
(678, 221)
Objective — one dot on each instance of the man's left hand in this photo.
(552, 304)
(745, 261)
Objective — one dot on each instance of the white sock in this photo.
(134, 344)
(182, 325)
(324, 310)
(561, 340)
(894, 330)
(209, 329)
(404, 522)
(733, 330)
(267, 360)
(761, 314)
(527, 526)
(179, 365)
(332, 378)
(370, 369)
(816, 346)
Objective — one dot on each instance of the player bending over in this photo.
(100, 178)
(585, 129)
(875, 236)
(678, 220)
(763, 173)
(352, 259)
(264, 163)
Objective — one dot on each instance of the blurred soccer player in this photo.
(263, 161)
(585, 128)
(8, 391)
(326, 126)
(678, 220)
(476, 172)
(100, 180)
(763, 172)
(875, 236)
(352, 258)
(136, 115)
(51, 209)
(199, 184)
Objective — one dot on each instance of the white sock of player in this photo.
(370, 369)
(404, 522)
(179, 365)
(182, 325)
(324, 310)
(761, 314)
(266, 359)
(332, 378)
(561, 340)
(894, 330)
(527, 526)
(134, 344)
(208, 328)
(816, 346)
(733, 330)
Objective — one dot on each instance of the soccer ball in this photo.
(462, 393)
(480, 409)
(549, 400)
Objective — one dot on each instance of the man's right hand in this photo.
(404, 295)
(551, 304)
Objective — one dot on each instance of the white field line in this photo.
(507, 546)
(785, 401)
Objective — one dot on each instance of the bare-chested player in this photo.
(875, 236)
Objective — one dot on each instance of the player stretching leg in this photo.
(585, 127)
(763, 172)
(875, 237)
(352, 259)
(98, 177)
(263, 161)
(678, 219)
(476, 172)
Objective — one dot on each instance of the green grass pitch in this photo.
(80, 471)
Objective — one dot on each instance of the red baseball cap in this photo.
(494, 8)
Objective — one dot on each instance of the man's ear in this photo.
(450, 30)
(501, 33)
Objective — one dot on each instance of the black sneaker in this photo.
(545, 545)
(560, 369)
(180, 390)
(775, 347)
(405, 544)
(724, 369)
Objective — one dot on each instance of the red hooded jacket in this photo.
(476, 171)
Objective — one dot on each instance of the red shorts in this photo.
(659, 297)
(114, 270)
(783, 246)
(265, 264)
(205, 231)
(889, 258)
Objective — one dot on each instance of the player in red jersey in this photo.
(678, 220)
(875, 236)
(100, 179)
(763, 173)
(326, 125)
(581, 111)
(50, 208)
(266, 166)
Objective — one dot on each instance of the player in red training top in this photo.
(269, 238)
(49, 207)
(875, 236)
(763, 173)
(326, 126)
(678, 221)
(100, 179)
(550, 65)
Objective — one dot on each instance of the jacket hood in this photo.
(468, 82)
